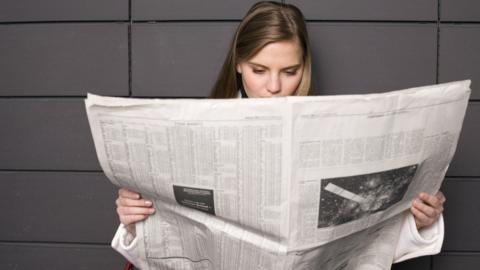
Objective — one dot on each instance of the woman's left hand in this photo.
(426, 209)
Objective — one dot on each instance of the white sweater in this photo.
(411, 242)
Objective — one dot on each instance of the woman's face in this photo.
(276, 70)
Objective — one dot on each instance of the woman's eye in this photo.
(258, 71)
(290, 72)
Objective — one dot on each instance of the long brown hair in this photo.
(264, 23)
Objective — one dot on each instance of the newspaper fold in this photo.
(280, 183)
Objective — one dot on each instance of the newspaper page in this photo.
(315, 182)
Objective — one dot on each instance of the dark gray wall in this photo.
(58, 208)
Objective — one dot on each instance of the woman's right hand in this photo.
(131, 208)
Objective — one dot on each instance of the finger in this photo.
(441, 196)
(135, 211)
(419, 215)
(425, 209)
(420, 218)
(430, 199)
(126, 202)
(130, 219)
(123, 192)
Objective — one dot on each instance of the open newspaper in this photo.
(282, 183)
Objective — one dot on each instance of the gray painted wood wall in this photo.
(57, 208)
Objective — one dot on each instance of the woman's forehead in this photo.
(279, 54)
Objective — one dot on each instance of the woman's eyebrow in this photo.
(258, 65)
(265, 67)
(293, 67)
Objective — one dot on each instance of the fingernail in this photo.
(148, 202)
(152, 210)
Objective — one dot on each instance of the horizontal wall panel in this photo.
(372, 57)
(45, 134)
(190, 9)
(421, 263)
(57, 207)
(178, 59)
(63, 59)
(456, 261)
(459, 55)
(58, 256)
(462, 223)
(467, 155)
(460, 10)
(63, 10)
(410, 10)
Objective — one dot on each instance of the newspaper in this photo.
(314, 182)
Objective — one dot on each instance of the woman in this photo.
(270, 56)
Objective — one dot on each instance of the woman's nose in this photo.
(274, 85)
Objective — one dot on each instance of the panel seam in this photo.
(130, 48)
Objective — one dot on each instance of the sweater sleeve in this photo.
(127, 245)
(414, 243)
